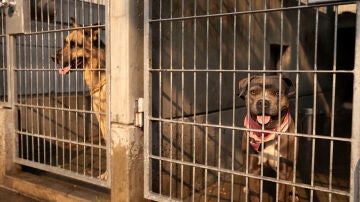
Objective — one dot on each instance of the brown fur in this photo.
(82, 48)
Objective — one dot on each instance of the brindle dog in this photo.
(268, 108)
(83, 49)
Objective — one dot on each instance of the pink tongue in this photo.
(260, 119)
(64, 70)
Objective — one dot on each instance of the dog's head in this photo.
(81, 47)
(264, 98)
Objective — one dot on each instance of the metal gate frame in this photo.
(149, 119)
(15, 31)
(355, 136)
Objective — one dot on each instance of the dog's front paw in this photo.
(290, 197)
(103, 176)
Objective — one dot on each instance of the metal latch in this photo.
(7, 3)
(139, 112)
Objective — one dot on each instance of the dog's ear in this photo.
(73, 23)
(291, 86)
(243, 86)
(93, 32)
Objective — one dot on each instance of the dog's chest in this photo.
(269, 156)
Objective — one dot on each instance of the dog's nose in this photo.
(259, 104)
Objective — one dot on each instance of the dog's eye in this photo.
(252, 92)
(276, 93)
(72, 44)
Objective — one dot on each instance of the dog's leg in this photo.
(285, 191)
(254, 184)
(99, 106)
(254, 168)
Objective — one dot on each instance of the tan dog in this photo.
(263, 97)
(83, 49)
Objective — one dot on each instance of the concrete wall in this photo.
(125, 43)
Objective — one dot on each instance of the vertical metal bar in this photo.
(220, 96)
(233, 104)
(19, 138)
(263, 98)
(248, 101)
(355, 133)
(76, 106)
(108, 89)
(182, 100)
(160, 98)
(4, 69)
(92, 79)
(171, 97)
(62, 91)
(296, 97)
(84, 98)
(37, 105)
(69, 124)
(99, 81)
(314, 104)
(206, 98)
(280, 92)
(194, 101)
(27, 90)
(56, 91)
(333, 104)
(49, 88)
(31, 108)
(36, 72)
(147, 100)
(43, 88)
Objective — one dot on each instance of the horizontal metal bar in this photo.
(25, 69)
(158, 197)
(98, 146)
(246, 129)
(243, 174)
(59, 109)
(267, 10)
(63, 172)
(330, 71)
(63, 30)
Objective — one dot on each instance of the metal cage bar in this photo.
(194, 55)
(354, 177)
(58, 129)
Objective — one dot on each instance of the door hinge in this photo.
(139, 112)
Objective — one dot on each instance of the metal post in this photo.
(12, 93)
(355, 135)
(147, 96)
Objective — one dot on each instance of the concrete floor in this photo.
(11, 196)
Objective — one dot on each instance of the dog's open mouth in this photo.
(268, 120)
(74, 63)
(263, 119)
